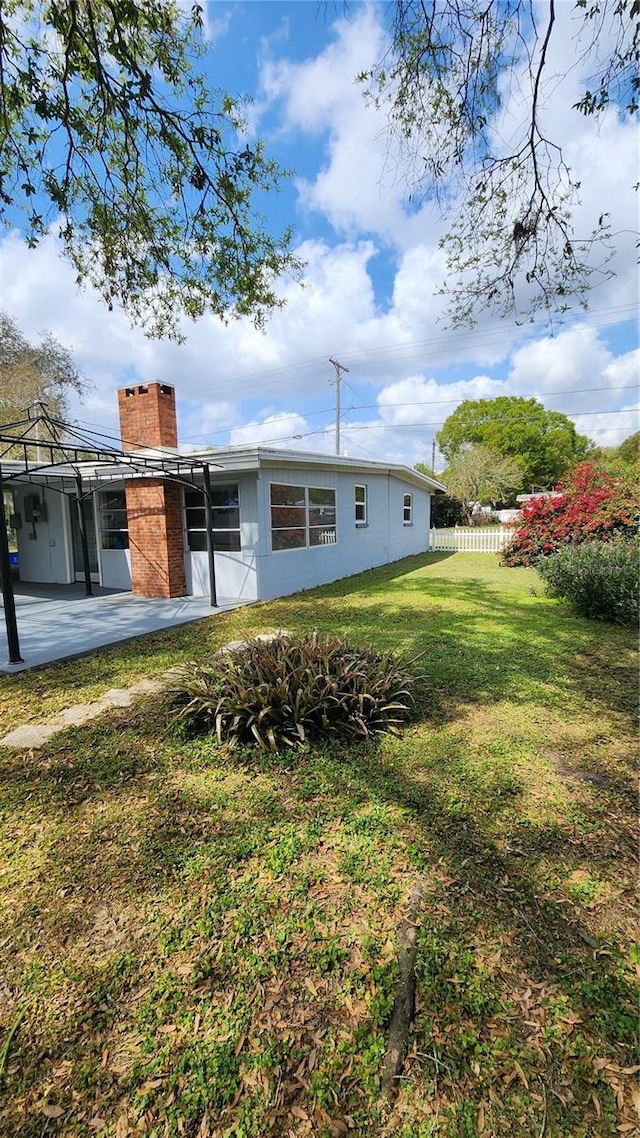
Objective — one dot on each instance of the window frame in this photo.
(233, 489)
(306, 508)
(407, 521)
(363, 505)
(104, 530)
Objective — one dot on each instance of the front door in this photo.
(78, 563)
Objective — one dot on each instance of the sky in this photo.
(368, 297)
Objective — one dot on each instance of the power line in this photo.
(87, 425)
(339, 368)
(457, 399)
(411, 426)
(430, 403)
(436, 346)
(352, 427)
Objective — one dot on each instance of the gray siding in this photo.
(384, 538)
(236, 573)
(115, 568)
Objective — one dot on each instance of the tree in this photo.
(545, 443)
(110, 134)
(478, 474)
(445, 510)
(622, 459)
(511, 247)
(28, 373)
(592, 506)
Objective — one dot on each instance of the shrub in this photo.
(285, 690)
(600, 579)
(446, 511)
(591, 504)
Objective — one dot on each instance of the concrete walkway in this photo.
(59, 622)
(32, 736)
(35, 735)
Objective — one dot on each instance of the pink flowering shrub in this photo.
(592, 505)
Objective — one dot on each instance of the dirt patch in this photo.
(576, 774)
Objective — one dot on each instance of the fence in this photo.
(485, 539)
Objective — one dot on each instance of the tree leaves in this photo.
(106, 121)
(29, 372)
(545, 443)
(478, 474)
(511, 246)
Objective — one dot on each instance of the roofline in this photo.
(256, 456)
(225, 460)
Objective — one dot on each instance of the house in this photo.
(280, 521)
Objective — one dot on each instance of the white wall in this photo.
(236, 573)
(115, 568)
(255, 572)
(384, 538)
(47, 558)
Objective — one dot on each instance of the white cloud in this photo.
(427, 402)
(236, 383)
(575, 359)
(212, 28)
(578, 363)
(286, 430)
(321, 96)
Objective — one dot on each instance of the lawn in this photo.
(204, 944)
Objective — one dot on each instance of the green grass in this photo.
(195, 943)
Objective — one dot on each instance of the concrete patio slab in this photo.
(59, 622)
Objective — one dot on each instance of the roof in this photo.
(255, 457)
(158, 461)
(538, 494)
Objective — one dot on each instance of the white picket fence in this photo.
(470, 539)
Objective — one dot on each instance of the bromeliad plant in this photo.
(285, 690)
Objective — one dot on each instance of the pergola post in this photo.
(7, 587)
(82, 526)
(210, 554)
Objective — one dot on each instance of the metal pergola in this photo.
(49, 452)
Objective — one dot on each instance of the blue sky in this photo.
(369, 293)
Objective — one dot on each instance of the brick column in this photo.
(154, 506)
(156, 541)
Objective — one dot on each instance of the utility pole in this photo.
(339, 368)
(433, 457)
(40, 409)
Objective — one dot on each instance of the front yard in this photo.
(200, 944)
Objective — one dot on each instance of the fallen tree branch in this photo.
(405, 1001)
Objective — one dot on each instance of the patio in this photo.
(56, 622)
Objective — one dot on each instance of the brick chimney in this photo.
(154, 505)
(148, 416)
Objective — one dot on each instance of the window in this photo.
(225, 519)
(407, 510)
(302, 516)
(114, 528)
(360, 499)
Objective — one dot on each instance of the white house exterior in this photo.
(365, 514)
(282, 521)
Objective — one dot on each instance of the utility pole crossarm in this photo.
(339, 369)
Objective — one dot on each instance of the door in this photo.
(78, 563)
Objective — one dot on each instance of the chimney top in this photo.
(148, 416)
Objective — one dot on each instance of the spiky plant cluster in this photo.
(285, 690)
